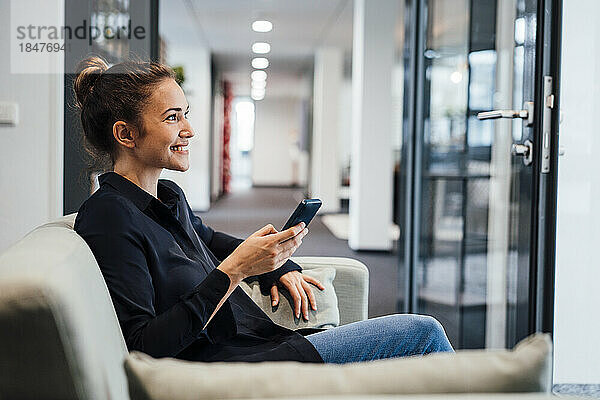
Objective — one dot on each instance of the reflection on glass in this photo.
(460, 73)
(483, 70)
(112, 17)
(518, 100)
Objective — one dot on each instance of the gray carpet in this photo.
(242, 213)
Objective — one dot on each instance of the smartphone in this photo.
(305, 212)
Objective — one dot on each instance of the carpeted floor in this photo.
(244, 212)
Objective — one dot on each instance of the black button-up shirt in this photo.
(159, 262)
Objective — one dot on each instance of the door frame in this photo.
(415, 23)
(542, 241)
(549, 34)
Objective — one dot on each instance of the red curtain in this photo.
(226, 164)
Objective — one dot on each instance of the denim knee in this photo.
(433, 331)
(437, 333)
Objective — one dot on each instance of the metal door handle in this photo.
(526, 113)
(525, 150)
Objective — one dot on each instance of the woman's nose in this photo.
(186, 133)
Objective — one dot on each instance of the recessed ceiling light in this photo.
(258, 75)
(257, 94)
(261, 48)
(262, 26)
(259, 84)
(260, 63)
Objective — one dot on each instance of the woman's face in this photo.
(165, 129)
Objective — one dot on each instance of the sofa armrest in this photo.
(351, 284)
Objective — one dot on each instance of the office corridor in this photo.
(243, 212)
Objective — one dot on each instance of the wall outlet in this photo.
(9, 113)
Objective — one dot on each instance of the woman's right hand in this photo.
(264, 251)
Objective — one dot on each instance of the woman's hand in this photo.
(298, 286)
(264, 251)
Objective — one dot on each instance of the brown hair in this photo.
(105, 95)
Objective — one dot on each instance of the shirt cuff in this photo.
(268, 279)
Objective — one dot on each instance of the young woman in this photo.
(172, 279)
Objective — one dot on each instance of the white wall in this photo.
(276, 129)
(218, 121)
(31, 152)
(185, 46)
(371, 175)
(325, 171)
(577, 321)
(345, 123)
(195, 182)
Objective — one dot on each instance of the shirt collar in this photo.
(136, 194)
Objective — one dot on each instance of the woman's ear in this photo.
(124, 134)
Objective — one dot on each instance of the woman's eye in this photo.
(172, 117)
(186, 114)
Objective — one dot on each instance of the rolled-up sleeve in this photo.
(119, 248)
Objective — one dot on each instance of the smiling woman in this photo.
(168, 274)
(105, 96)
(172, 279)
(159, 139)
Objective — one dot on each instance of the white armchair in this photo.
(60, 336)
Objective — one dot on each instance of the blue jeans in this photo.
(397, 335)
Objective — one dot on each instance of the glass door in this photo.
(474, 168)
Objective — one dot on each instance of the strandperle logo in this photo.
(83, 31)
(40, 36)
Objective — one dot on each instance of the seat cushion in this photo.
(527, 368)
(326, 316)
(64, 337)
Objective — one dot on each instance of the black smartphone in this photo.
(305, 212)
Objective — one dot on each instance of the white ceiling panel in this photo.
(299, 28)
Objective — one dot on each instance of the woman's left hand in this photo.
(300, 290)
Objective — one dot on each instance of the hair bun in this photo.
(88, 71)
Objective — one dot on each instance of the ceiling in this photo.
(224, 26)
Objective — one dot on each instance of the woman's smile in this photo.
(180, 149)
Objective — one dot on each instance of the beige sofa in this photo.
(60, 338)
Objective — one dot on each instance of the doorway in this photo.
(478, 167)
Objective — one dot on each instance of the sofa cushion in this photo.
(351, 284)
(326, 316)
(32, 346)
(527, 368)
(62, 336)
